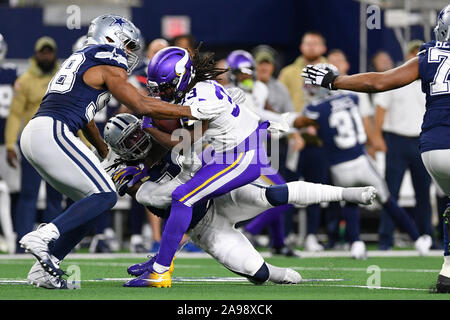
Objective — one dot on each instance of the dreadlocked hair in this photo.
(205, 67)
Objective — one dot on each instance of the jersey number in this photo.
(350, 129)
(64, 79)
(440, 84)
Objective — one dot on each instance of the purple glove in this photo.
(147, 123)
(127, 177)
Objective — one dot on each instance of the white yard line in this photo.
(266, 254)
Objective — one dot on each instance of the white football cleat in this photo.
(358, 250)
(36, 243)
(423, 244)
(312, 245)
(360, 195)
(291, 277)
(38, 277)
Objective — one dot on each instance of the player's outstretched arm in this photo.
(364, 82)
(115, 79)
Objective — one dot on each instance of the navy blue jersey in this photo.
(340, 127)
(8, 75)
(164, 171)
(68, 98)
(434, 71)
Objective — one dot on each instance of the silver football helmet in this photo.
(441, 31)
(118, 32)
(3, 47)
(124, 135)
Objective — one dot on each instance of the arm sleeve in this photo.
(16, 113)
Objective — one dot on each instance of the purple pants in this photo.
(223, 173)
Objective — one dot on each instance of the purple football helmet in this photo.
(169, 73)
(241, 61)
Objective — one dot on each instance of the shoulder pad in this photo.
(107, 54)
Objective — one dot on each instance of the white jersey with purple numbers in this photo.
(230, 128)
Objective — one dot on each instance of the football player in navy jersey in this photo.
(80, 88)
(9, 176)
(432, 66)
(344, 138)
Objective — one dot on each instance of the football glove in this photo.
(127, 177)
(323, 77)
(147, 123)
(237, 95)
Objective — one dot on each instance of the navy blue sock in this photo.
(102, 222)
(67, 241)
(84, 210)
(313, 218)
(401, 218)
(351, 215)
(277, 195)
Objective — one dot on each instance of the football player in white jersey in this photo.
(212, 225)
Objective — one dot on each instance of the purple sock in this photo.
(274, 219)
(176, 225)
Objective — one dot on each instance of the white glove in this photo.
(237, 95)
(208, 110)
(320, 75)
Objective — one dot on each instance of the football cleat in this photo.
(151, 279)
(36, 243)
(291, 277)
(312, 244)
(286, 251)
(38, 277)
(423, 244)
(443, 284)
(358, 250)
(360, 195)
(140, 268)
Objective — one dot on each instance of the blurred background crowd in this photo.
(280, 37)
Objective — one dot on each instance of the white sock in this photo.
(159, 268)
(49, 231)
(445, 271)
(305, 193)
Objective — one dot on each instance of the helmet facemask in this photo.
(134, 144)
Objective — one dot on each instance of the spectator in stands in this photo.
(29, 89)
(382, 61)
(185, 41)
(312, 48)
(398, 119)
(312, 160)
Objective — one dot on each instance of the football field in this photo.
(329, 276)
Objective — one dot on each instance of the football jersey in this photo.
(164, 171)
(68, 98)
(230, 128)
(8, 75)
(434, 69)
(340, 126)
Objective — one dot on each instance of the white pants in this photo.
(358, 173)
(216, 233)
(63, 160)
(437, 163)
